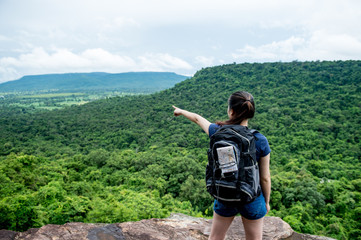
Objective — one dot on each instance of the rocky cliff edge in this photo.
(177, 227)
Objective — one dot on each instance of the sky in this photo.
(181, 36)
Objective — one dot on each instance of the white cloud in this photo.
(282, 50)
(8, 73)
(325, 46)
(162, 61)
(204, 61)
(319, 46)
(105, 60)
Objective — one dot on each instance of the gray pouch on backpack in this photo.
(227, 159)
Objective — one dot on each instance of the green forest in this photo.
(128, 158)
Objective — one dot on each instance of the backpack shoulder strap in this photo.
(254, 131)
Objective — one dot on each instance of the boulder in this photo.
(177, 226)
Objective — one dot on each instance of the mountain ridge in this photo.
(93, 81)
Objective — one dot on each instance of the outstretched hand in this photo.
(201, 121)
(177, 111)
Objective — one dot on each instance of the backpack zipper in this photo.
(222, 185)
(249, 144)
(233, 200)
(226, 186)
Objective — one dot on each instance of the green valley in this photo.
(56, 91)
(128, 158)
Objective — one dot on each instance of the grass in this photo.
(33, 101)
(52, 95)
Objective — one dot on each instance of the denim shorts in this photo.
(252, 211)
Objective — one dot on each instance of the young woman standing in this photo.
(241, 108)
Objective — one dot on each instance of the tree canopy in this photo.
(128, 158)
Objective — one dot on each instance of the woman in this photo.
(241, 108)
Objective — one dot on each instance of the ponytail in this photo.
(243, 107)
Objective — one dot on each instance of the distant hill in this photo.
(130, 81)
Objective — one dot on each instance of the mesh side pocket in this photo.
(252, 178)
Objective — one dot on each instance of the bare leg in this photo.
(253, 228)
(220, 226)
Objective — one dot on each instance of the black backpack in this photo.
(232, 173)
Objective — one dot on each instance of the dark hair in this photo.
(242, 105)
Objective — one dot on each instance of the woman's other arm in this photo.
(194, 117)
(265, 177)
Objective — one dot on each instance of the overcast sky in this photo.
(181, 36)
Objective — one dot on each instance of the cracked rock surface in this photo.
(177, 226)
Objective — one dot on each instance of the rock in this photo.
(300, 236)
(177, 226)
(7, 235)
